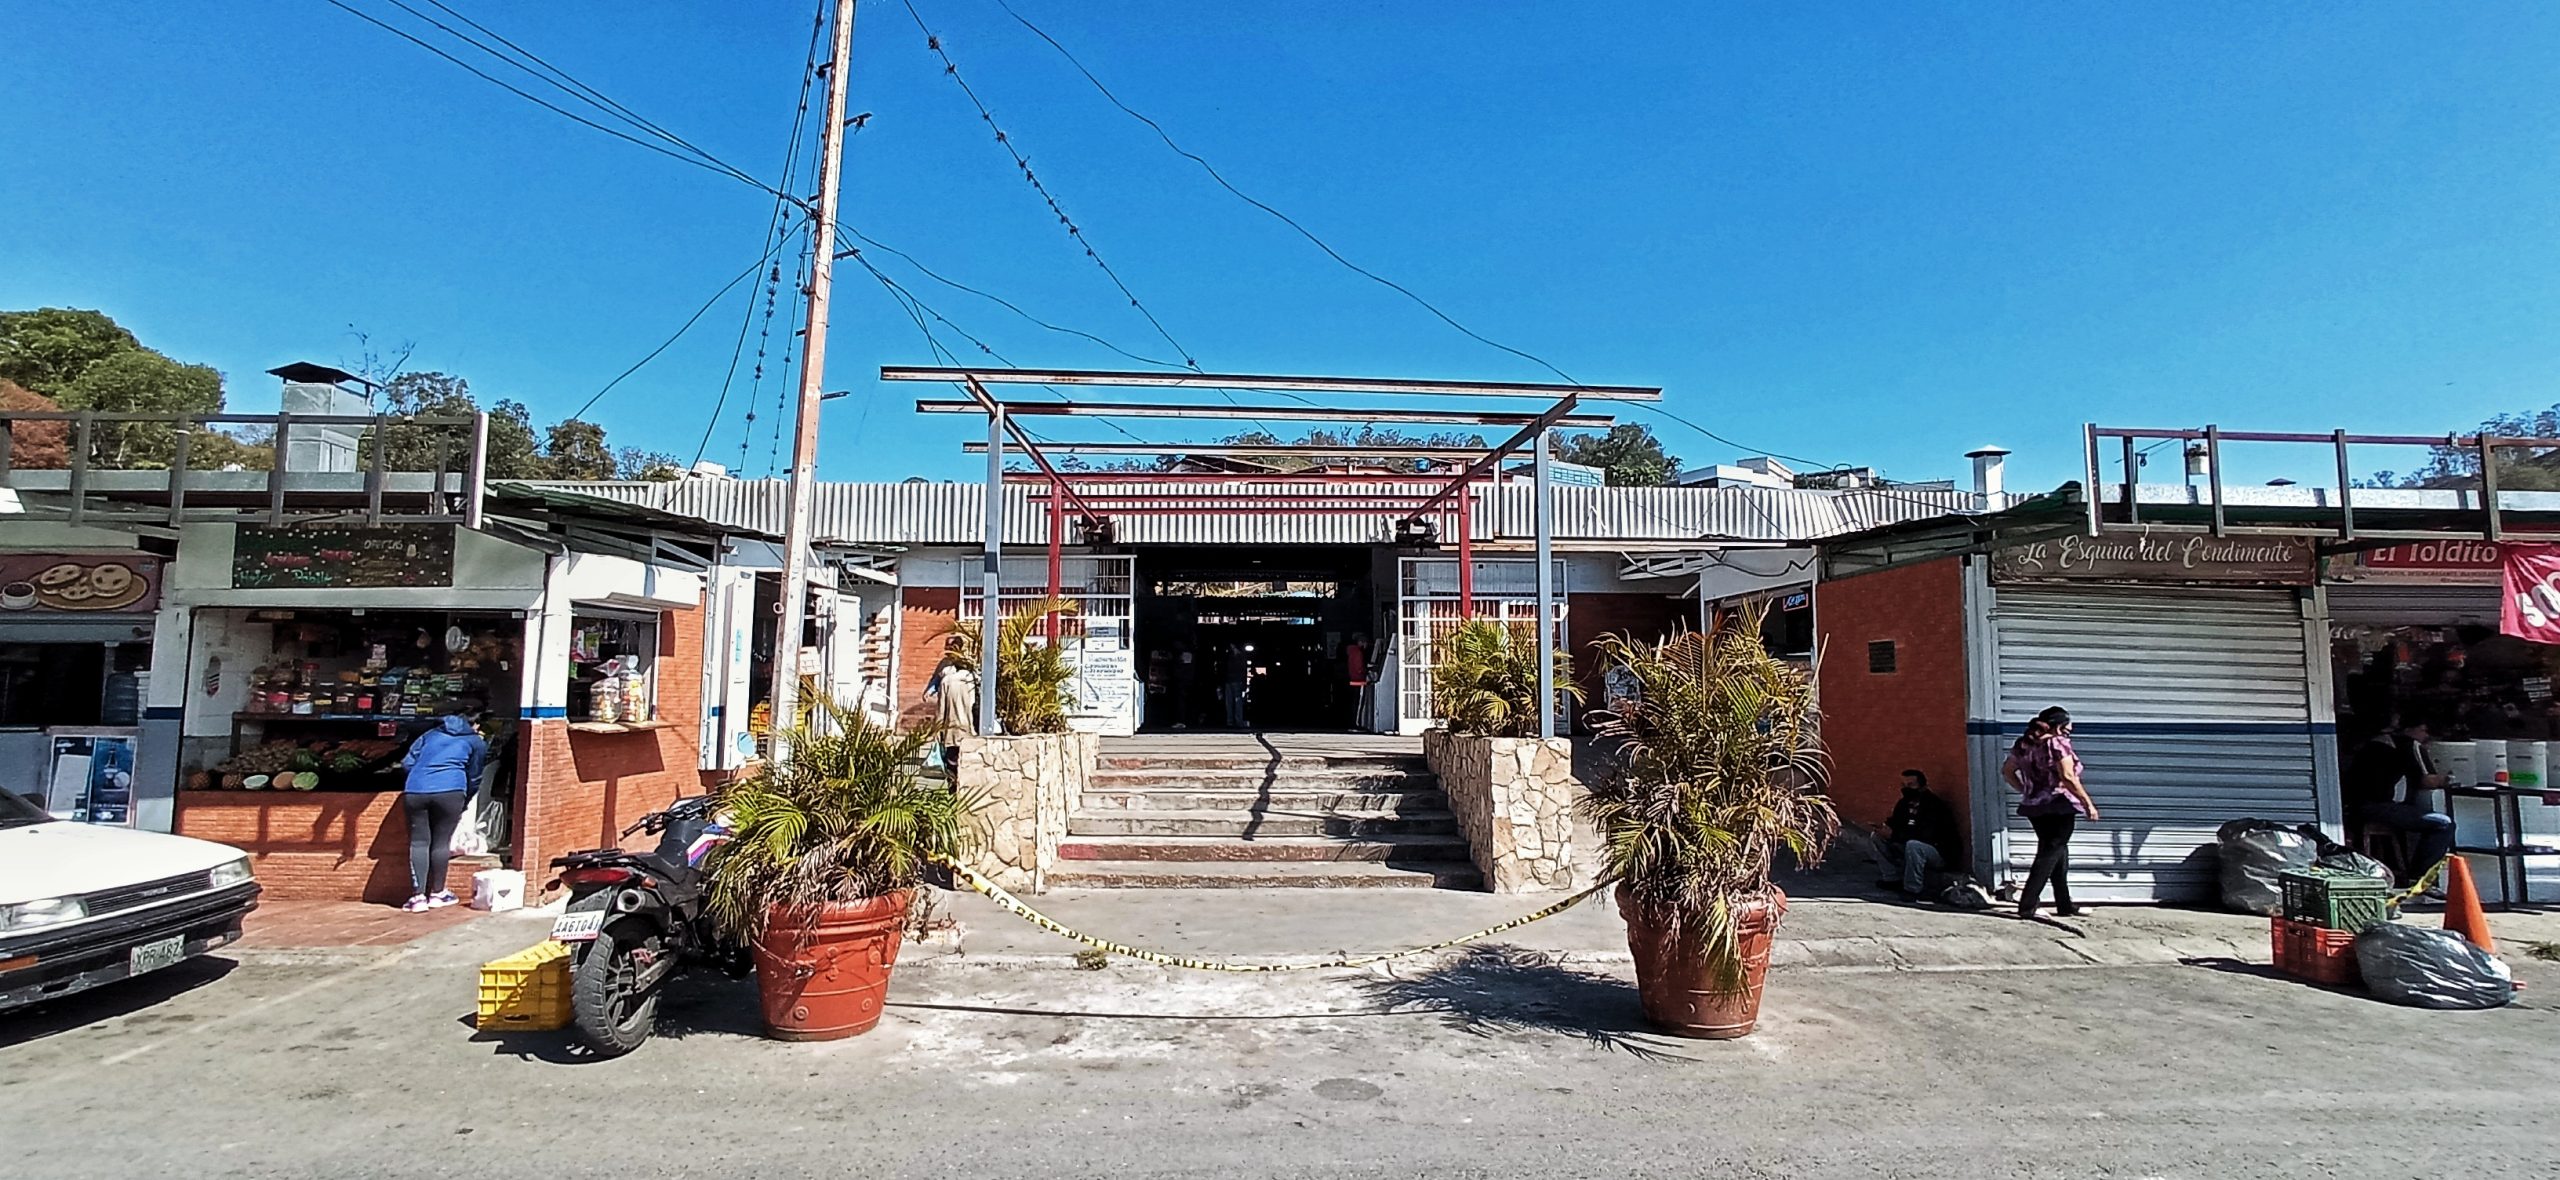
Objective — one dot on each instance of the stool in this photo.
(2387, 844)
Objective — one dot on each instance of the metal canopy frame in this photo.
(2344, 535)
(1106, 495)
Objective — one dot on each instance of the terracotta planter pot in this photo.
(824, 977)
(1677, 985)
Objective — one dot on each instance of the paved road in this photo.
(1487, 1067)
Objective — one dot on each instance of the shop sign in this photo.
(79, 583)
(2532, 608)
(2453, 562)
(341, 557)
(2178, 557)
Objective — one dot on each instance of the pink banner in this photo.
(2532, 609)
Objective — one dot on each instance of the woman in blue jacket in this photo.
(444, 766)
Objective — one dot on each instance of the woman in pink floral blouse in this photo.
(2045, 771)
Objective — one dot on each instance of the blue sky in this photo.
(1870, 233)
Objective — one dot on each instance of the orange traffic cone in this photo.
(2462, 913)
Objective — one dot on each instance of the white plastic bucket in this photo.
(497, 890)
(2529, 764)
(2490, 762)
(2454, 760)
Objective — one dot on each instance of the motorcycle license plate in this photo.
(578, 926)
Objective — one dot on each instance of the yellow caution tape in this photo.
(1014, 905)
(2424, 882)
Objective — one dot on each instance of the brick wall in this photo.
(1644, 616)
(926, 613)
(581, 789)
(317, 846)
(1914, 717)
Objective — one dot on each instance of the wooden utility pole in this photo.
(796, 530)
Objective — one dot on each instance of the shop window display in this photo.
(341, 695)
(611, 670)
(2463, 682)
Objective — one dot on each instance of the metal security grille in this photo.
(1506, 589)
(1104, 695)
(2397, 604)
(2190, 708)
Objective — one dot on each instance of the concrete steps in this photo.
(1242, 824)
(1366, 801)
(1392, 847)
(1139, 874)
(1225, 813)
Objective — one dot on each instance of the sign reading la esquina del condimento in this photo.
(2163, 558)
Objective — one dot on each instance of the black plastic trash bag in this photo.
(2253, 852)
(2426, 968)
(2345, 861)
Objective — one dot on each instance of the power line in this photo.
(1283, 218)
(914, 303)
(791, 339)
(1001, 301)
(707, 164)
(564, 79)
(951, 69)
(669, 342)
(774, 223)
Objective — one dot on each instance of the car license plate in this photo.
(156, 954)
(578, 926)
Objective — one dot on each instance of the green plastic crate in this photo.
(2333, 900)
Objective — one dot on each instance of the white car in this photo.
(82, 905)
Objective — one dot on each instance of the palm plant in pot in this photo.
(1717, 764)
(1031, 675)
(1485, 680)
(828, 845)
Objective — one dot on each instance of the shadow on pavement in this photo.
(124, 998)
(697, 1003)
(1498, 989)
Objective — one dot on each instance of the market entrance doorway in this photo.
(1254, 638)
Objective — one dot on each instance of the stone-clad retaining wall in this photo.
(1029, 784)
(1514, 801)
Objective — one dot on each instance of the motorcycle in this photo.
(635, 919)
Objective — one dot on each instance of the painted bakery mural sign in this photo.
(79, 582)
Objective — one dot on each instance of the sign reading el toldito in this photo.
(2167, 557)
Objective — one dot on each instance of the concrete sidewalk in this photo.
(1826, 928)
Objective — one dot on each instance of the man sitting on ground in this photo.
(2372, 785)
(1919, 838)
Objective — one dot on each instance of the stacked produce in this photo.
(303, 766)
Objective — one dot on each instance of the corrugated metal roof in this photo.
(952, 513)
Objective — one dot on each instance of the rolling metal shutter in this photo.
(2401, 604)
(2189, 708)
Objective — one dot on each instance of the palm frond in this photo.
(1031, 677)
(1716, 764)
(842, 817)
(1485, 679)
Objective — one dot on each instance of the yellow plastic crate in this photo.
(528, 990)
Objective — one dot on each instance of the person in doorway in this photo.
(444, 765)
(954, 689)
(2372, 791)
(1919, 837)
(1355, 674)
(2044, 770)
(1231, 689)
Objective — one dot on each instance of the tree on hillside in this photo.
(1629, 454)
(2519, 468)
(47, 349)
(573, 449)
(83, 360)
